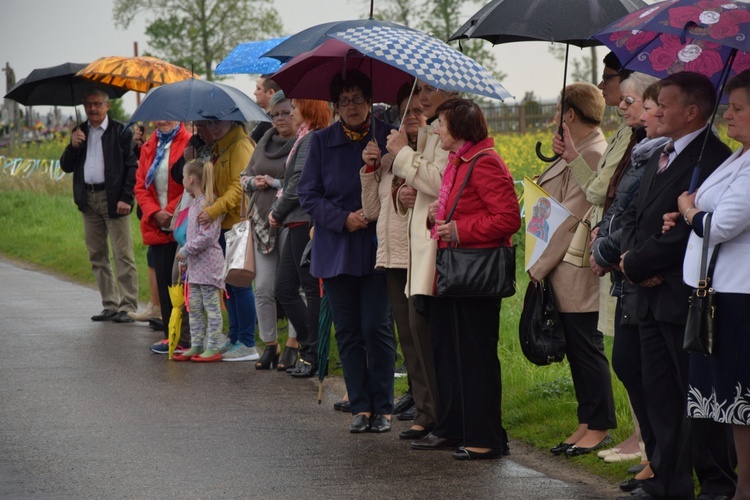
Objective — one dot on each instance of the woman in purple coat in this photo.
(343, 252)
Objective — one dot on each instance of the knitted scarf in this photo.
(449, 178)
(164, 138)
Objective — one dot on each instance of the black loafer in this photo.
(122, 317)
(560, 448)
(407, 415)
(635, 469)
(575, 451)
(464, 454)
(105, 315)
(433, 442)
(305, 370)
(404, 403)
(631, 484)
(342, 406)
(380, 424)
(413, 434)
(360, 424)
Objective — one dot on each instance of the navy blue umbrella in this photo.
(192, 100)
(247, 58)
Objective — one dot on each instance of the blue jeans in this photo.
(240, 309)
(362, 317)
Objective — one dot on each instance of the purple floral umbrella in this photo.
(704, 36)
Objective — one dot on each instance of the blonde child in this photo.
(204, 260)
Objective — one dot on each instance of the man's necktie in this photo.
(664, 158)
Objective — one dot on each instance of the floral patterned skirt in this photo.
(719, 384)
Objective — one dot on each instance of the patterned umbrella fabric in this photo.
(325, 322)
(247, 58)
(424, 57)
(308, 76)
(140, 74)
(683, 35)
(191, 100)
(56, 86)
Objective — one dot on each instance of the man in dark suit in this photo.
(654, 261)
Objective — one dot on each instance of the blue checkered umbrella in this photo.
(425, 57)
(246, 58)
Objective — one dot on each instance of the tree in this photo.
(196, 34)
(585, 69)
(117, 111)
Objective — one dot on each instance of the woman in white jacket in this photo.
(721, 390)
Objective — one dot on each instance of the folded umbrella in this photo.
(192, 100)
(325, 321)
(247, 58)
(177, 296)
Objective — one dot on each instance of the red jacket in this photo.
(487, 214)
(147, 197)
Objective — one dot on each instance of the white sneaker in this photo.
(241, 352)
(226, 347)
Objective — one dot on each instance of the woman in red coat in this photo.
(158, 189)
(465, 331)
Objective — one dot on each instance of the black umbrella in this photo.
(56, 86)
(562, 21)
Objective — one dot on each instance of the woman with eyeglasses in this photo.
(344, 251)
(379, 184)
(575, 288)
(262, 180)
(639, 96)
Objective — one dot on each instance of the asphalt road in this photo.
(87, 411)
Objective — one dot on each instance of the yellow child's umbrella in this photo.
(177, 295)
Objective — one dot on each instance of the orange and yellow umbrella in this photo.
(140, 74)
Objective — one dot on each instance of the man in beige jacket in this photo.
(423, 171)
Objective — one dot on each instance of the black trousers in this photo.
(681, 443)
(163, 259)
(465, 333)
(589, 367)
(290, 275)
(626, 363)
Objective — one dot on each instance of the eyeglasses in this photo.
(90, 104)
(606, 77)
(628, 100)
(280, 114)
(345, 101)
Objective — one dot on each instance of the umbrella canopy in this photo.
(307, 40)
(248, 58)
(192, 100)
(56, 86)
(134, 73)
(177, 296)
(563, 21)
(680, 35)
(424, 57)
(309, 75)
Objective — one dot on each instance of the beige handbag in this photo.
(239, 264)
(580, 247)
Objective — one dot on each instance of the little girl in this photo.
(204, 260)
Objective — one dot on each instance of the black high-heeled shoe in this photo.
(288, 359)
(270, 357)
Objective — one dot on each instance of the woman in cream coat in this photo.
(576, 289)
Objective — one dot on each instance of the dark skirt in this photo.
(719, 384)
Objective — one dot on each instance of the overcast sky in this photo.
(40, 33)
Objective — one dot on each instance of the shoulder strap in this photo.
(707, 273)
(466, 180)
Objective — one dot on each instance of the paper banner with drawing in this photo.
(543, 215)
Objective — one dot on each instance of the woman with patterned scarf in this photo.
(344, 249)
(158, 189)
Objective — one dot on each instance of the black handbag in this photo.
(699, 328)
(540, 330)
(475, 272)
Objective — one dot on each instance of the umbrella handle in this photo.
(548, 159)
